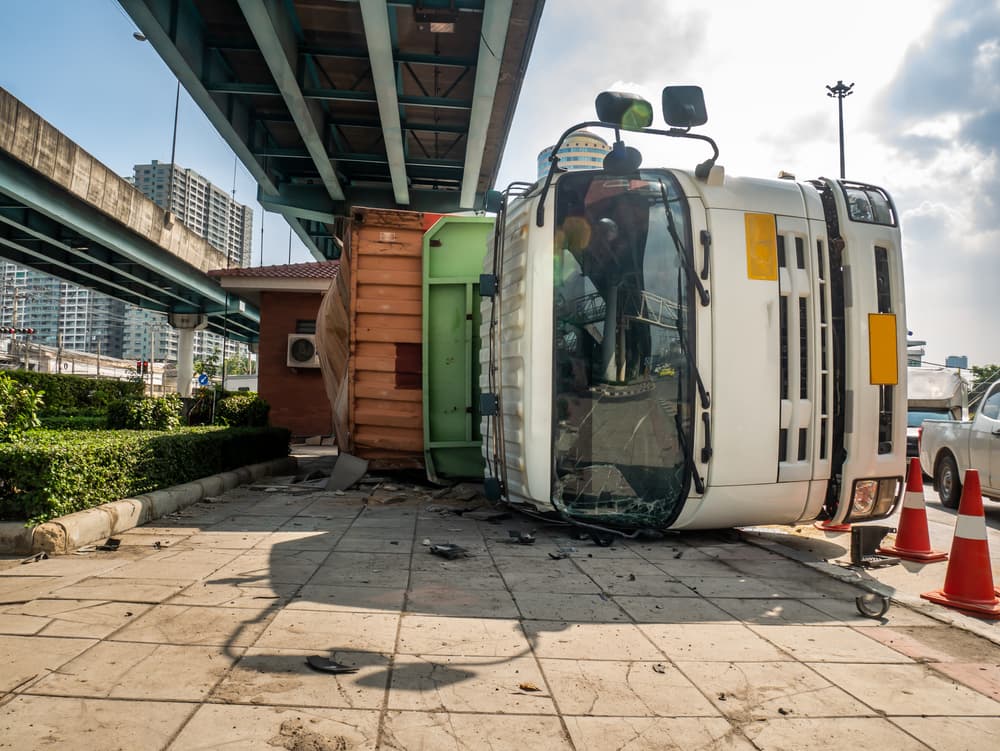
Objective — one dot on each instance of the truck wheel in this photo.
(948, 485)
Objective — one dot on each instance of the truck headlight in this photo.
(873, 498)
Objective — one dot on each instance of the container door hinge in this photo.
(487, 285)
(489, 404)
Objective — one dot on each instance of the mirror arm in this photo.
(554, 159)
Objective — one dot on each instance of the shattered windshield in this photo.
(622, 376)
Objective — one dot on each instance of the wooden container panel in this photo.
(386, 317)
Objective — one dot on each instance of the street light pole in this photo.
(839, 91)
(173, 154)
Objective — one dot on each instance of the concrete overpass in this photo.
(66, 214)
(336, 103)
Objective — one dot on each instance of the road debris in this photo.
(326, 665)
(561, 553)
(111, 544)
(36, 557)
(449, 551)
(528, 686)
(659, 668)
(521, 538)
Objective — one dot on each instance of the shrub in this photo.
(50, 473)
(73, 422)
(19, 407)
(73, 394)
(148, 413)
(242, 410)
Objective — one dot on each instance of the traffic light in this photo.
(19, 330)
(142, 366)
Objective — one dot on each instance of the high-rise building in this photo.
(62, 314)
(202, 207)
(581, 150)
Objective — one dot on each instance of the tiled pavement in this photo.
(698, 641)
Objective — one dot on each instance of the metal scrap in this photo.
(449, 551)
(326, 665)
(36, 557)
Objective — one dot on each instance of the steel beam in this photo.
(375, 17)
(271, 27)
(496, 19)
(179, 40)
(331, 95)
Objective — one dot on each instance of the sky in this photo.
(923, 120)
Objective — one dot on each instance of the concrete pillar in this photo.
(186, 324)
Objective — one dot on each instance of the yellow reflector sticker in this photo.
(762, 247)
(883, 363)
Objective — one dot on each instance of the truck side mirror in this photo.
(684, 106)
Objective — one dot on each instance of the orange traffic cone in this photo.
(968, 585)
(913, 540)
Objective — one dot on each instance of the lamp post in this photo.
(168, 217)
(838, 92)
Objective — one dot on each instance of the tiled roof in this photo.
(314, 270)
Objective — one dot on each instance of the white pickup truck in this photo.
(948, 448)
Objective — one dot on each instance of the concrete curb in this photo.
(852, 576)
(66, 533)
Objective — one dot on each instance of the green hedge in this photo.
(50, 473)
(74, 422)
(73, 394)
(242, 410)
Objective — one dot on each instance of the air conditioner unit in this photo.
(302, 352)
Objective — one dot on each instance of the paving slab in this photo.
(693, 641)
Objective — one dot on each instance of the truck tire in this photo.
(949, 486)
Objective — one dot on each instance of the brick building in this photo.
(289, 377)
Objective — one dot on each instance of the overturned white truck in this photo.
(681, 349)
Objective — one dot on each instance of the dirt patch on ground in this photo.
(293, 735)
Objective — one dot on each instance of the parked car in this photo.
(932, 393)
(949, 448)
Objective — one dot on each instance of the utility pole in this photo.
(838, 92)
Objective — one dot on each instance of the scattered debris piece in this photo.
(562, 553)
(84, 550)
(783, 711)
(160, 545)
(528, 686)
(722, 696)
(425, 541)
(346, 471)
(490, 517)
(678, 554)
(394, 542)
(326, 665)
(659, 668)
(602, 540)
(211, 499)
(111, 544)
(449, 551)
(631, 577)
(36, 557)
(872, 605)
(521, 538)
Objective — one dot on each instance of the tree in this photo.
(237, 365)
(208, 365)
(982, 377)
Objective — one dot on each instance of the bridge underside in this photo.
(336, 103)
(45, 228)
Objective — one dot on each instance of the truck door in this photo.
(984, 441)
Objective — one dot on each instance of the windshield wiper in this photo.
(682, 249)
(706, 398)
(699, 484)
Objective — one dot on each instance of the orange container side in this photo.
(385, 365)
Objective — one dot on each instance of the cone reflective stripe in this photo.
(913, 541)
(968, 585)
